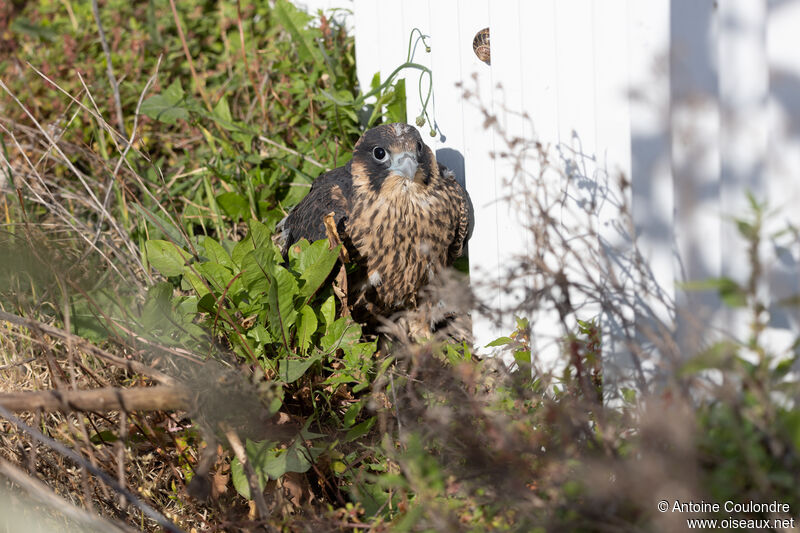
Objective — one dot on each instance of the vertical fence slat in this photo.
(367, 41)
(613, 132)
(651, 171)
(783, 152)
(479, 167)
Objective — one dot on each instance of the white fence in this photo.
(696, 101)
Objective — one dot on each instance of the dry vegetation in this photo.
(163, 369)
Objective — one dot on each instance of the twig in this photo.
(109, 70)
(159, 398)
(42, 493)
(131, 366)
(77, 459)
(18, 363)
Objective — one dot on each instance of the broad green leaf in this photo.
(269, 463)
(218, 276)
(360, 430)
(396, 107)
(343, 332)
(157, 306)
(256, 454)
(192, 281)
(167, 107)
(523, 357)
(258, 238)
(281, 313)
(290, 370)
(328, 311)
(256, 268)
(259, 234)
(260, 334)
(296, 458)
(166, 257)
(216, 253)
(500, 342)
(352, 413)
(222, 114)
(316, 263)
(306, 326)
(235, 205)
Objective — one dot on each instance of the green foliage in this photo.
(422, 437)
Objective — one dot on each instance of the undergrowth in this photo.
(138, 216)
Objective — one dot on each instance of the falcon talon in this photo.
(401, 216)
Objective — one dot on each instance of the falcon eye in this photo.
(379, 153)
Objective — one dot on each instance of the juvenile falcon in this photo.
(401, 215)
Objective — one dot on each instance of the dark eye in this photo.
(379, 153)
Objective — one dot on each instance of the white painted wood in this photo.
(652, 191)
(693, 102)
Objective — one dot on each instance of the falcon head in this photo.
(391, 156)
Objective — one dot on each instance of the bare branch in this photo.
(159, 398)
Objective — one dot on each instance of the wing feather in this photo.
(465, 215)
(330, 192)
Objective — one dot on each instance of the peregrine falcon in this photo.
(401, 215)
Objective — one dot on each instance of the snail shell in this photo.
(480, 45)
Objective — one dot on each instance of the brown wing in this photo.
(465, 214)
(330, 192)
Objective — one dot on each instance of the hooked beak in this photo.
(405, 164)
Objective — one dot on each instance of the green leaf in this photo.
(343, 332)
(166, 257)
(235, 205)
(218, 275)
(746, 229)
(523, 357)
(269, 463)
(290, 370)
(295, 21)
(256, 268)
(500, 342)
(191, 280)
(328, 311)
(281, 312)
(360, 430)
(157, 305)
(216, 253)
(352, 413)
(396, 107)
(222, 114)
(306, 326)
(316, 263)
(167, 107)
(260, 334)
(257, 453)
